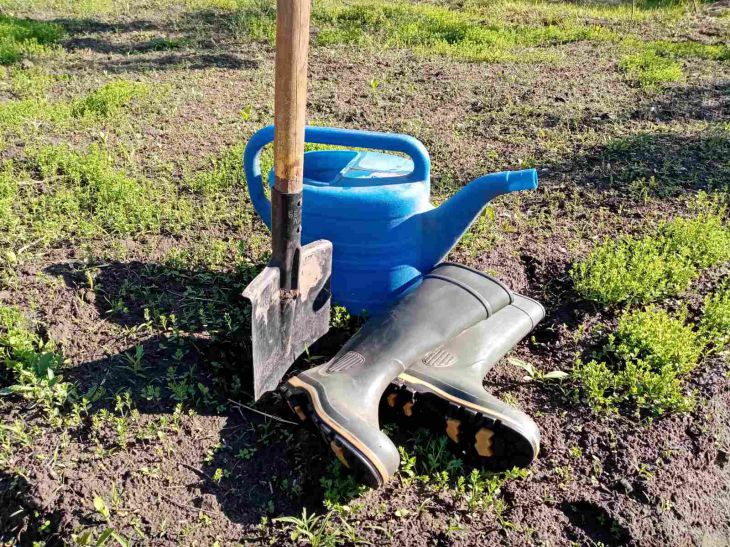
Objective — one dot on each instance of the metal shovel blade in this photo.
(284, 325)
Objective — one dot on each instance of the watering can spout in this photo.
(444, 225)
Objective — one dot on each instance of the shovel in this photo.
(290, 298)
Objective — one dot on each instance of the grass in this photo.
(660, 264)
(108, 100)
(22, 38)
(103, 104)
(429, 30)
(651, 70)
(488, 32)
(59, 194)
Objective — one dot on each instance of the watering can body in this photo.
(375, 209)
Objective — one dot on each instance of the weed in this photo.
(314, 529)
(631, 269)
(33, 364)
(223, 173)
(33, 82)
(658, 338)
(660, 264)
(651, 70)
(481, 489)
(15, 115)
(339, 485)
(715, 322)
(20, 38)
(646, 360)
(704, 238)
(108, 100)
(536, 375)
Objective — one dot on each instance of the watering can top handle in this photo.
(393, 142)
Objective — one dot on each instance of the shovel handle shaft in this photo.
(290, 98)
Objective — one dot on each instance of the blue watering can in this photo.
(375, 209)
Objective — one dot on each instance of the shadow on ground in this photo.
(187, 342)
(193, 41)
(663, 161)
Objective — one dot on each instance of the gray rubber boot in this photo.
(341, 398)
(443, 389)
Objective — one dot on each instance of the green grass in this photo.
(223, 172)
(59, 194)
(91, 187)
(659, 264)
(644, 364)
(108, 100)
(429, 30)
(651, 70)
(32, 82)
(15, 115)
(103, 104)
(21, 38)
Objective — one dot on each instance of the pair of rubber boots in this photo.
(427, 356)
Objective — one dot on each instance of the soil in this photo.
(634, 482)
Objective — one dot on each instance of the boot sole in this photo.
(485, 437)
(304, 400)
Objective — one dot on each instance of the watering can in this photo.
(375, 209)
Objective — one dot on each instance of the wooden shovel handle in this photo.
(290, 93)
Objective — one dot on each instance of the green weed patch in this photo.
(223, 173)
(644, 363)
(102, 104)
(108, 100)
(90, 186)
(715, 323)
(651, 70)
(58, 194)
(429, 30)
(663, 263)
(31, 365)
(20, 38)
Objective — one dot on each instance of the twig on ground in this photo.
(241, 405)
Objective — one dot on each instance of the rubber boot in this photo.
(444, 390)
(341, 397)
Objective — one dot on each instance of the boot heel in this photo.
(314, 418)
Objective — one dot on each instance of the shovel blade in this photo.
(283, 327)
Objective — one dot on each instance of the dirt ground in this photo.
(200, 464)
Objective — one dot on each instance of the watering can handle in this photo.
(393, 142)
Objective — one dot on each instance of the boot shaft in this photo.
(467, 358)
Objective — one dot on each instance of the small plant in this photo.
(101, 508)
(535, 374)
(715, 322)
(134, 361)
(314, 529)
(645, 362)
(657, 265)
(32, 364)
